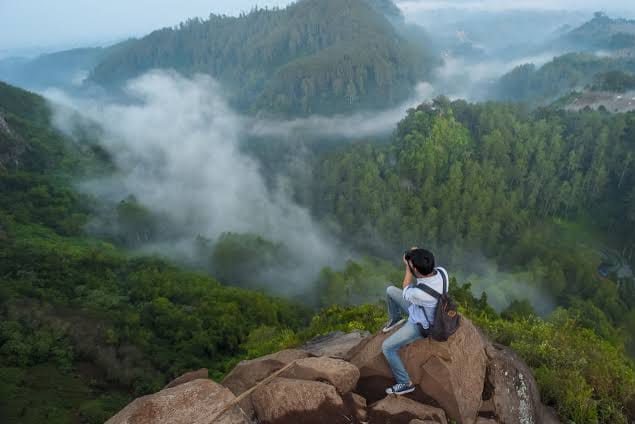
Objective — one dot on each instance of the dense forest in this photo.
(495, 183)
(87, 324)
(311, 57)
(532, 209)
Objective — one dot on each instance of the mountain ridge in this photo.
(327, 57)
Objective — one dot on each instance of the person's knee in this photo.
(387, 346)
(392, 291)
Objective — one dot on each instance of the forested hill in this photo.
(85, 326)
(315, 56)
(573, 71)
(602, 33)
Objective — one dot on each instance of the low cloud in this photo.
(458, 78)
(176, 147)
(358, 125)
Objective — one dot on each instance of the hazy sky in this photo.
(42, 23)
(66, 23)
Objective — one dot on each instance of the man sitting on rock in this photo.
(420, 307)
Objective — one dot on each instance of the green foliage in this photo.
(359, 282)
(367, 317)
(264, 340)
(315, 56)
(84, 326)
(586, 378)
(518, 309)
(492, 178)
(238, 258)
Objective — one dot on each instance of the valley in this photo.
(234, 186)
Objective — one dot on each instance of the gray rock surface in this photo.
(511, 389)
(335, 345)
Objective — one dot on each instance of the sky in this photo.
(43, 23)
(72, 23)
(497, 5)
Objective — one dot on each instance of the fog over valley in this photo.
(187, 188)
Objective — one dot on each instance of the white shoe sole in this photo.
(398, 323)
(405, 392)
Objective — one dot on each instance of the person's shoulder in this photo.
(442, 269)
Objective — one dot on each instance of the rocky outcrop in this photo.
(336, 345)
(397, 409)
(194, 402)
(249, 373)
(12, 147)
(4, 127)
(187, 377)
(451, 373)
(341, 379)
(511, 394)
(297, 401)
(338, 373)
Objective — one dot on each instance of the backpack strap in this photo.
(445, 279)
(433, 292)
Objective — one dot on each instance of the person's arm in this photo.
(407, 278)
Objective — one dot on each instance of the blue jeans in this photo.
(407, 334)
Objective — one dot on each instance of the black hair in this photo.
(422, 260)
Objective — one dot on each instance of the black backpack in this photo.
(446, 317)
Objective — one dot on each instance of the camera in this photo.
(406, 254)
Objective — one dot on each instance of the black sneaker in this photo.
(400, 389)
(392, 324)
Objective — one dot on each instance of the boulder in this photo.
(421, 422)
(249, 373)
(194, 402)
(452, 373)
(187, 377)
(285, 400)
(335, 345)
(338, 373)
(399, 409)
(357, 405)
(511, 394)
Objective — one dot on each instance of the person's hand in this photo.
(407, 263)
